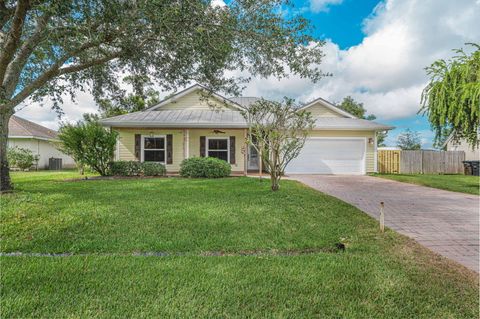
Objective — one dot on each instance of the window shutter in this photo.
(232, 149)
(202, 146)
(169, 148)
(138, 141)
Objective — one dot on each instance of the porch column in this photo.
(245, 154)
(186, 143)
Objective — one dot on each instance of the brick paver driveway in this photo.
(445, 222)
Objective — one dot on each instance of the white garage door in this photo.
(330, 156)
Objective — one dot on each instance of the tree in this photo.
(52, 48)
(409, 140)
(452, 98)
(356, 108)
(143, 96)
(278, 132)
(88, 143)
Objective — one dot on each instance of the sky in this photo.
(376, 51)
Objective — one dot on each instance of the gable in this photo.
(318, 109)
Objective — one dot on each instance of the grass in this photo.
(235, 249)
(456, 183)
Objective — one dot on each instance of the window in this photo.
(154, 149)
(218, 148)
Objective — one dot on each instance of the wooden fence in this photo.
(421, 162)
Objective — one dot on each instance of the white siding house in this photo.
(38, 139)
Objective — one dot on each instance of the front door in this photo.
(252, 158)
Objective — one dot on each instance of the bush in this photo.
(89, 144)
(134, 168)
(153, 169)
(21, 158)
(208, 167)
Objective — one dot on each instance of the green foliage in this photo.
(88, 143)
(357, 109)
(153, 169)
(22, 158)
(120, 103)
(207, 167)
(409, 140)
(278, 131)
(135, 168)
(452, 98)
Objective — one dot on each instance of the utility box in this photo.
(54, 164)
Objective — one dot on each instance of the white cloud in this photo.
(217, 3)
(386, 70)
(323, 5)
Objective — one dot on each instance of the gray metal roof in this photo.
(244, 101)
(346, 123)
(223, 119)
(179, 118)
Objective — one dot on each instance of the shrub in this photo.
(125, 168)
(134, 168)
(88, 143)
(21, 158)
(153, 169)
(208, 167)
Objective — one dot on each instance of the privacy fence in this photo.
(421, 162)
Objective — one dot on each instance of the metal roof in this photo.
(19, 127)
(179, 118)
(186, 118)
(346, 123)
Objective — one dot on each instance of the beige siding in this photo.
(126, 145)
(370, 155)
(239, 144)
(193, 100)
(320, 110)
(43, 148)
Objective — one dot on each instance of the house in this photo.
(188, 124)
(38, 139)
(471, 154)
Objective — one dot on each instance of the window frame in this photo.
(207, 149)
(142, 148)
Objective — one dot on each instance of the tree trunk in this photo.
(275, 182)
(5, 183)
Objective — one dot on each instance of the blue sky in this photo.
(376, 51)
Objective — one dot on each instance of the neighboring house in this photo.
(186, 125)
(39, 139)
(471, 154)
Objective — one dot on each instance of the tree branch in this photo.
(13, 36)
(57, 70)
(14, 68)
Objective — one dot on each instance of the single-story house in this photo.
(471, 153)
(38, 139)
(187, 124)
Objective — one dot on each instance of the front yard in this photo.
(211, 248)
(455, 183)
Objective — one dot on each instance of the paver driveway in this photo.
(445, 222)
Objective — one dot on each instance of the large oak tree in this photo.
(50, 48)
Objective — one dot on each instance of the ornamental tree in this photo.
(89, 144)
(278, 132)
(53, 48)
(452, 98)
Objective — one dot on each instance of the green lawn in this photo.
(234, 249)
(455, 183)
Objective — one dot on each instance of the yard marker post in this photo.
(382, 217)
